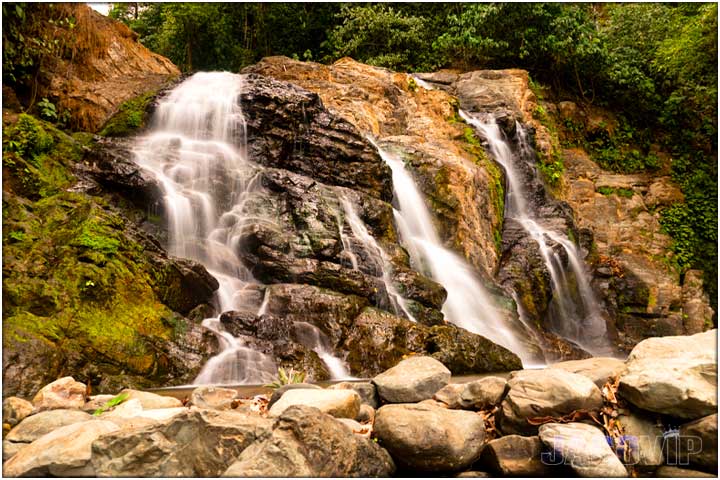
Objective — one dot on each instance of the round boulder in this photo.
(423, 438)
(338, 403)
(412, 380)
(545, 393)
(62, 393)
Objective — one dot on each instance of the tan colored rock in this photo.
(673, 375)
(540, 393)
(35, 426)
(429, 439)
(598, 369)
(450, 395)
(338, 403)
(64, 452)
(483, 393)
(15, 409)
(414, 379)
(515, 456)
(584, 448)
(150, 401)
(697, 313)
(94, 84)
(663, 192)
(95, 402)
(216, 398)
(62, 393)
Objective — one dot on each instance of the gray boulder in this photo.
(412, 380)
(515, 456)
(308, 443)
(584, 448)
(278, 392)
(64, 452)
(427, 439)
(674, 376)
(338, 403)
(647, 440)
(483, 393)
(696, 444)
(541, 393)
(62, 393)
(195, 443)
(15, 409)
(450, 395)
(598, 369)
(366, 390)
(35, 426)
(214, 398)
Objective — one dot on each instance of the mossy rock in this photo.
(132, 115)
(80, 289)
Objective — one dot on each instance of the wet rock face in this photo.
(289, 128)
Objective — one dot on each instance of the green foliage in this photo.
(552, 170)
(47, 109)
(382, 35)
(620, 192)
(129, 118)
(287, 377)
(113, 402)
(27, 138)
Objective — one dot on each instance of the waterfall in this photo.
(468, 303)
(197, 151)
(376, 252)
(575, 312)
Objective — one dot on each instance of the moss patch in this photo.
(73, 280)
(130, 117)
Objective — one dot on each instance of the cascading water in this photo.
(575, 310)
(196, 150)
(468, 303)
(371, 246)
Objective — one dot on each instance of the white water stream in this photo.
(196, 149)
(468, 303)
(575, 310)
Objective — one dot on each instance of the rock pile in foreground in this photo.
(654, 416)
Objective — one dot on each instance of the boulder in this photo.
(645, 438)
(150, 401)
(96, 401)
(515, 456)
(35, 426)
(338, 403)
(366, 414)
(214, 398)
(696, 444)
(543, 393)
(667, 471)
(196, 443)
(583, 447)
(278, 392)
(483, 393)
(127, 409)
(62, 393)
(427, 439)
(64, 452)
(472, 474)
(450, 395)
(306, 442)
(598, 369)
(9, 449)
(673, 375)
(15, 409)
(412, 380)
(366, 390)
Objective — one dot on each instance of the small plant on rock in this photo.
(113, 402)
(286, 377)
